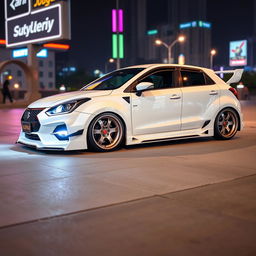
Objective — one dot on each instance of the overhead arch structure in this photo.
(31, 78)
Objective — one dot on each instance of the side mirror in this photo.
(143, 86)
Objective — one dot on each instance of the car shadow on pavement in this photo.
(194, 146)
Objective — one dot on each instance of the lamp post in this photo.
(106, 64)
(212, 53)
(169, 47)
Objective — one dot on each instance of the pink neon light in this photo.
(114, 20)
(120, 21)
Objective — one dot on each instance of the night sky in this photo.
(91, 28)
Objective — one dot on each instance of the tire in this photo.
(105, 133)
(226, 124)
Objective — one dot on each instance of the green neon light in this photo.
(121, 46)
(114, 46)
(152, 32)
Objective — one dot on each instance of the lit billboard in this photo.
(238, 53)
(24, 25)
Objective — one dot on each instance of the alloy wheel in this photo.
(227, 124)
(107, 132)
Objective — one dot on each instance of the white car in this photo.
(135, 105)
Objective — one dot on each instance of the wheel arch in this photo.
(114, 113)
(235, 110)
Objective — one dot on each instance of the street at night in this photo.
(185, 197)
(127, 128)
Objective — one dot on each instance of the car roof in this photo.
(166, 65)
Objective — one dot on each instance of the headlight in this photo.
(66, 107)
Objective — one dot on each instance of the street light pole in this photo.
(106, 64)
(169, 47)
(212, 53)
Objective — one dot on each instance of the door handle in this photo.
(213, 92)
(174, 97)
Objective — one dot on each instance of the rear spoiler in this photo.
(237, 74)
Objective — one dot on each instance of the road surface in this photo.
(186, 197)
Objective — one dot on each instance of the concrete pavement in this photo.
(42, 186)
(217, 219)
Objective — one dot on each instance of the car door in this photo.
(200, 98)
(157, 110)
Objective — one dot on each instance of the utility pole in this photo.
(33, 66)
(118, 46)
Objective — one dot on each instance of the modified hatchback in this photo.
(134, 105)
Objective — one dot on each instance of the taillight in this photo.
(234, 91)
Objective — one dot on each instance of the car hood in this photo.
(64, 97)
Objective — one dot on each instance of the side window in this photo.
(192, 78)
(161, 80)
(208, 80)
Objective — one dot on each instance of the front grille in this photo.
(32, 136)
(30, 115)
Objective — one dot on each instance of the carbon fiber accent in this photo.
(32, 136)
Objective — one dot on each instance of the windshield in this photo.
(113, 80)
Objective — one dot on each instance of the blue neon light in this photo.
(21, 53)
(185, 25)
(152, 32)
(43, 53)
(194, 24)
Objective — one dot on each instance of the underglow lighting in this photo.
(121, 46)
(120, 21)
(114, 20)
(114, 46)
(2, 41)
(57, 46)
(152, 32)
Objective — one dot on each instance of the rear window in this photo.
(195, 78)
(191, 78)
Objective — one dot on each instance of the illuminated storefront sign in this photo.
(152, 32)
(194, 24)
(21, 53)
(43, 3)
(16, 8)
(238, 53)
(42, 25)
(24, 25)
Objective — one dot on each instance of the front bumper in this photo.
(45, 139)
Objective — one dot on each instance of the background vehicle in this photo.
(134, 105)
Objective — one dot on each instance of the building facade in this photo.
(46, 70)
(141, 33)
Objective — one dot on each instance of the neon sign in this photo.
(21, 53)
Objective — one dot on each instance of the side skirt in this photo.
(148, 138)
